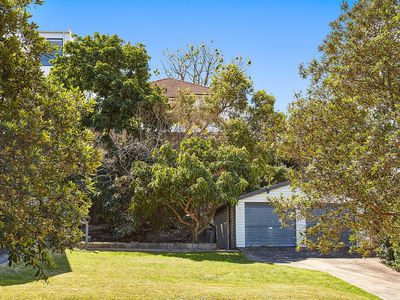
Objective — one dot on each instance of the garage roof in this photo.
(266, 189)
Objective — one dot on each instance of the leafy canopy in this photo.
(129, 115)
(197, 63)
(116, 74)
(258, 129)
(194, 180)
(46, 157)
(236, 114)
(344, 135)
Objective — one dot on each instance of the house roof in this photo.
(173, 86)
(266, 189)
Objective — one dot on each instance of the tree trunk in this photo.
(196, 230)
(195, 236)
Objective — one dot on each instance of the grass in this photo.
(128, 275)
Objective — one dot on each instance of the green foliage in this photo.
(200, 116)
(229, 90)
(238, 116)
(241, 117)
(194, 180)
(46, 156)
(265, 123)
(129, 115)
(389, 253)
(188, 114)
(258, 130)
(344, 135)
(132, 117)
(116, 74)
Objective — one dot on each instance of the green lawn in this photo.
(128, 275)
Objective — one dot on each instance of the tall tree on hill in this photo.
(197, 63)
(344, 135)
(129, 115)
(46, 156)
(116, 75)
(229, 92)
(259, 130)
(238, 115)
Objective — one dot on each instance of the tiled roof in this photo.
(172, 87)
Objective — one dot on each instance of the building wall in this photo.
(221, 222)
(49, 35)
(224, 221)
(232, 228)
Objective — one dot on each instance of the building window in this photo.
(58, 44)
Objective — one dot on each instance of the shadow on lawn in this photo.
(228, 257)
(290, 254)
(19, 274)
(269, 255)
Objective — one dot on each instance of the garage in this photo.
(252, 222)
(256, 223)
(263, 227)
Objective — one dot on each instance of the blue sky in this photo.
(277, 35)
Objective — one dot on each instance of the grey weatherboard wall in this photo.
(263, 227)
(224, 222)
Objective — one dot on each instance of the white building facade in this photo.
(57, 39)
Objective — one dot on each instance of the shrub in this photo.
(389, 253)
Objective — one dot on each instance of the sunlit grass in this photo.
(128, 275)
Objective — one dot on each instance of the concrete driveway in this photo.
(366, 273)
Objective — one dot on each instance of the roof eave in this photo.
(267, 189)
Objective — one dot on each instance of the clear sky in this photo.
(277, 35)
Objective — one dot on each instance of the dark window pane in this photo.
(45, 59)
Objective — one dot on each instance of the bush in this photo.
(389, 253)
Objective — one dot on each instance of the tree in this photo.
(129, 116)
(46, 156)
(228, 98)
(344, 135)
(113, 202)
(236, 114)
(229, 93)
(258, 130)
(188, 115)
(116, 74)
(194, 181)
(196, 64)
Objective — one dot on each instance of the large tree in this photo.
(194, 181)
(235, 113)
(129, 116)
(344, 134)
(116, 75)
(46, 156)
(196, 63)
(229, 92)
(258, 129)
